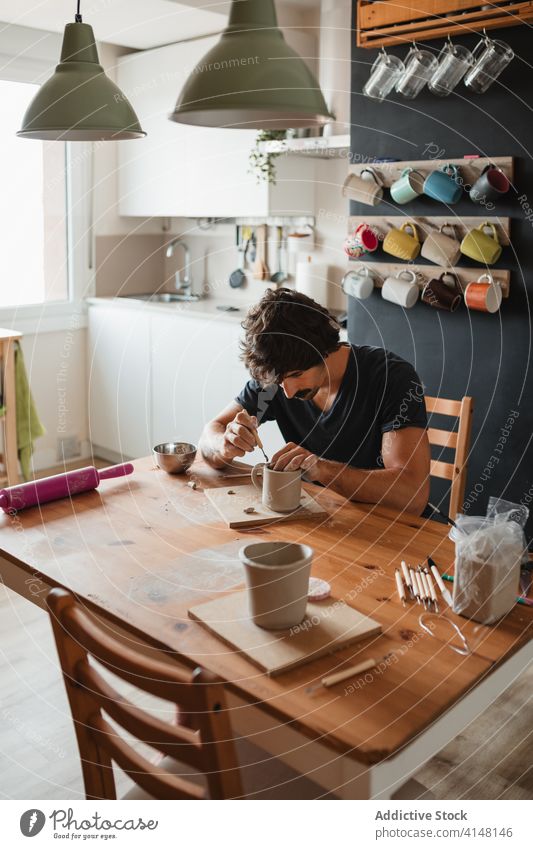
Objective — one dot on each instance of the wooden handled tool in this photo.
(337, 677)
(261, 271)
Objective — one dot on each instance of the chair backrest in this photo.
(206, 745)
(458, 439)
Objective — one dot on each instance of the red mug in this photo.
(367, 237)
(484, 295)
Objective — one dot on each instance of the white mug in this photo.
(363, 189)
(359, 282)
(401, 291)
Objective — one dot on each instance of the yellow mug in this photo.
(402, 244)
(481, 247)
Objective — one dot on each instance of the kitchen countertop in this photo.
(206, 308)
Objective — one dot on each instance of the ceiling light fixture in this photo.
(79, 102)
(252, 79)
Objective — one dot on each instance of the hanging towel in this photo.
(29, 426)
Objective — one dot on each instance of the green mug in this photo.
(481, 247)
(409, 186)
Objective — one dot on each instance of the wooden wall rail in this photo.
(399, 21)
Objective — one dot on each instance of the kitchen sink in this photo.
(163, 297)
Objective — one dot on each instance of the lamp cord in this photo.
(77, 16)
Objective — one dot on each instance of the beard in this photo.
(306, 394)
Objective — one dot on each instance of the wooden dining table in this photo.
(140, 551)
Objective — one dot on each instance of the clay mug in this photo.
(440, 248)
(491, 185)
(484, 295)
(398, 242)
(481, 247)
(281, 491)
(401, 290)
(440, 295)
(359, 282)
(363, 240)
(277, 580)
(363, 189)
(408, 187)
(444, 185)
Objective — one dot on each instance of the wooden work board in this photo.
(327, 626)
(232, 507)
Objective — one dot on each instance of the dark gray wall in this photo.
(467, 353)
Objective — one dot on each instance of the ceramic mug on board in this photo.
(491, 185)
(484, 295)
(481, 247)
(363, 240)
(277, 580)
(359, 282)
(398, 242)
(443, 185)
(440, 248)
(363, 189)
(440, 295)
(408, 187)
(401, 290)
(281, 491)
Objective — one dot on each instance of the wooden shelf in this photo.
(428, 272)
(470, 169)
(321, 147)
(389, 22)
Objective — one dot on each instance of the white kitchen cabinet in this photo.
(119, 382)
(194, 172)
(190, 374)
(156, 377)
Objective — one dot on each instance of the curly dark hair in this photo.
(286, 331)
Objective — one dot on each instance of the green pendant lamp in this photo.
(252, 79)
(79, 102)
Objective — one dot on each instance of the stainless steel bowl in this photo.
(174, 457)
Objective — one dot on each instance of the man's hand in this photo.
(239, 437)
(292, 457)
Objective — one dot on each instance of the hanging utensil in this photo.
(261, 271)
(237, 277)
(279, 276)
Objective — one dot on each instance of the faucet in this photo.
(183, 287)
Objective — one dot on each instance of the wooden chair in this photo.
(458, 439)
(204, 748)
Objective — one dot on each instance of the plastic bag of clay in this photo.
(488, 554)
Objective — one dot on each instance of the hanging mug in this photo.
(490, 185)
(481, 247)
(367, 190)
(454, 61)
(359, 282)
(408, 187)
(399, 243)
(442, 249)
(491, 57)
(440, 295)
(401, 290)
(363, 240)
(420, 65)
(385, 73)
(443, 185)
(484, 295)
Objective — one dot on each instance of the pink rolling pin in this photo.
(58, 486)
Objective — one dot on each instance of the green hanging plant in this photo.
(262, 163)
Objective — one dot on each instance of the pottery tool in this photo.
(344, 674)
(432, 590)
(327, 627)
(407, 578)
(441, 514)
(399, 586)
(65, 485)
(528, 602)
(414, 584)
(419, 588)
(444, 591)
(260, 446)
(425, 585)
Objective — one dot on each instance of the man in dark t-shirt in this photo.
(353, 417)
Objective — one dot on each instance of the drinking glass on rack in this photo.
(420, 65)
(491, 57)
(454, 60)
(384, 74)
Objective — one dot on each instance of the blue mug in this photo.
(443, 185)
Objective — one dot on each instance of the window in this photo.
(33, 208)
